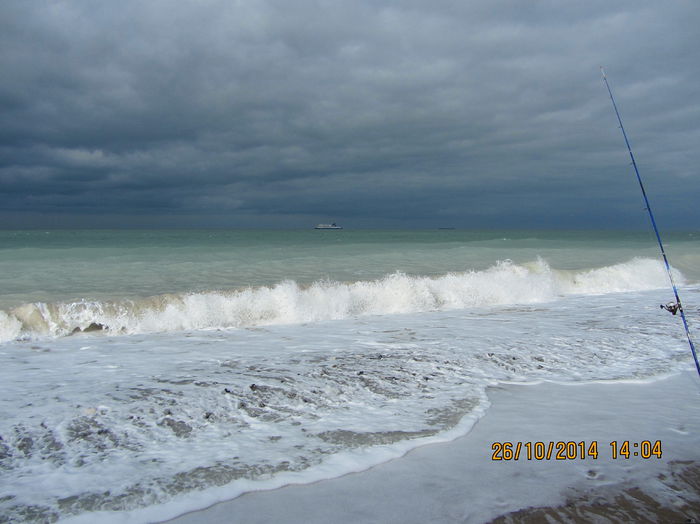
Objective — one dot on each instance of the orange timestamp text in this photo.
(572, 450)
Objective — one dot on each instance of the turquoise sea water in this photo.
(54, 266)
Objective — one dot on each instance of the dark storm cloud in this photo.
(281, 114)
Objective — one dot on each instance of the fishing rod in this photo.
(673, 308)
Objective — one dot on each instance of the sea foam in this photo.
(288, 302)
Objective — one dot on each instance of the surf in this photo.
(289, 302)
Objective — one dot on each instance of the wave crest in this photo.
(289, 303)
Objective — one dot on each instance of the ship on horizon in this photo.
(328, 226)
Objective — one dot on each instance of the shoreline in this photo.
(459, 482)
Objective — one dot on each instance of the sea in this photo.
(145, 374)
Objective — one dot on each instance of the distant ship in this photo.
(328, 226)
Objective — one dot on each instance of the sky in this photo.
(369, 113)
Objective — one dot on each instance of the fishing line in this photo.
(677, 307)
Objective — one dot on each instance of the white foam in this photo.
(459, 481)
(638, 274)
(150, 416)
(10, 327)
(289, 303)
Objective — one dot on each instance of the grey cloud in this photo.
(372, 113)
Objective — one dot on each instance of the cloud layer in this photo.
(369, 113)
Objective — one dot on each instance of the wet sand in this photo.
(459, 482)
(625, 504)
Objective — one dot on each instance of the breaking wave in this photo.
(290, 303)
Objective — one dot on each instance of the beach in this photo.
(363, 376)
(459, 482)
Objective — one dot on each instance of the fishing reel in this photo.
(671, 307)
